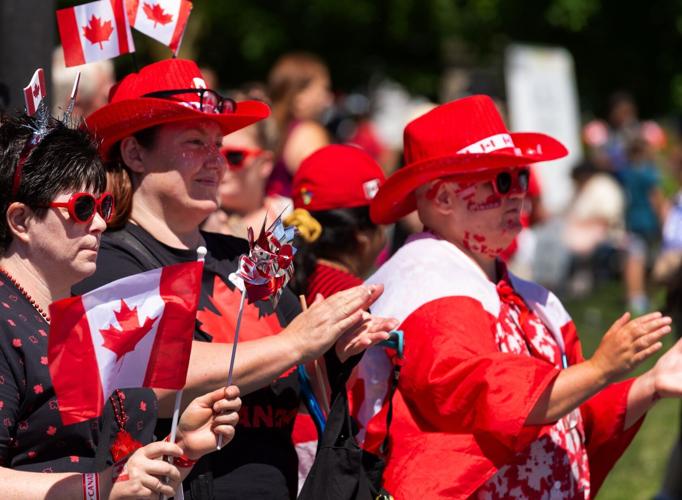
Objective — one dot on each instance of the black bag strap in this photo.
(389, 414)
(127, 239)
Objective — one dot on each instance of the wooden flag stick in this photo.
(322, 386)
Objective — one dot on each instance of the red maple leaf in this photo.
(36, 91)
(221, 326)
(156, 13)
(98, 32)
(124, 340)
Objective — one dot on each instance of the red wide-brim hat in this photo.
(466, 136)
(129, 112)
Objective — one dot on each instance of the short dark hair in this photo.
(66, 159)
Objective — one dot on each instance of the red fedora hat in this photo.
(336, 176)
(131, 108)
(461, 137)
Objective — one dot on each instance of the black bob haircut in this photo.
(65, 160)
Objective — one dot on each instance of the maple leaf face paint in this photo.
(484, 221)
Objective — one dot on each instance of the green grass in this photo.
(639, 472)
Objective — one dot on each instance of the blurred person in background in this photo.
(299, 86)
(644, 197)
(667, 271)
(96, 81)
(243, 201)
(595, 227)
(608, 140)
(337, 242)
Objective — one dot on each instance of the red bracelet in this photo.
(182, 461)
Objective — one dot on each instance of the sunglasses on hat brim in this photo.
(209, 100)
(83, 206)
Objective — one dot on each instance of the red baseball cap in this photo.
(336, 176)
(132, 109)
(460, 137)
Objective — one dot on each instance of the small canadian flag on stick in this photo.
(94, 31)
(34, 93)
(133, 332)
(163, 20)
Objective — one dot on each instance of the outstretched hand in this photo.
(315, 330)
(368, 332)
(629, 342)
(667, 373)
(206, 417)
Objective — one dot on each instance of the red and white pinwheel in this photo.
(268, 267)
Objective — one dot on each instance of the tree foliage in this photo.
(617, 44)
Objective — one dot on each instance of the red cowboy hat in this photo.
(465, 136)
(336, 176)
(131, 109)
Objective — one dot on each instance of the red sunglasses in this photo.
(82, 206)
(508, 181)
(236, 157)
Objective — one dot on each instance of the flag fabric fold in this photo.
(94, 31)
(133, 332)
(162, 20)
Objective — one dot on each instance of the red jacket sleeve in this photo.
(454, 379)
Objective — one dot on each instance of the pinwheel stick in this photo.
(234, 350)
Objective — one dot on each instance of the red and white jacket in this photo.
(461, 403)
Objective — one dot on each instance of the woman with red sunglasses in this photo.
(54, 213)
(242, 195)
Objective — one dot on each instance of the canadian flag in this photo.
(163, 20)
(94, 31)
(34, 93)
(133, 332)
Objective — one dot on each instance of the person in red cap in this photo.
(338, 243)
(495, 399)
(161, 135)
(332, 191)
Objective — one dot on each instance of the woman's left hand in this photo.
(368, 332)
(206, 417)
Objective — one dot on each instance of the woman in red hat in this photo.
(54, 211)
(161, 133)
(495, 399)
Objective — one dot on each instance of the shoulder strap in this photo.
(142, 253)
(389, 414)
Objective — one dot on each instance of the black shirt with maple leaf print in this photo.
(32, 437)
(260, 462)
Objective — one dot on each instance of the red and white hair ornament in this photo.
(36, 106)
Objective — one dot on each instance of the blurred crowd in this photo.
(623, 223)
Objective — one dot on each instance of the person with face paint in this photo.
(495, 399)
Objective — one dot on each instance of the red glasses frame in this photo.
(96, 205)
(245, 153)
